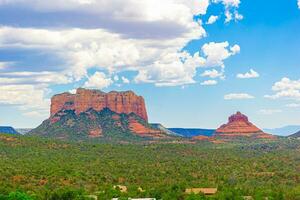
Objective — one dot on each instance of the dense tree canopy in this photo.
(35, 168)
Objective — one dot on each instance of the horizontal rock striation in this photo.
(238, 124)
(84, 99)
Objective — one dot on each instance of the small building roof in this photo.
(206, 191)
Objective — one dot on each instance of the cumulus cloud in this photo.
(28, 91)
(98, 81)
(293, 105)
(125, 80)
(231, 12)
(299, 4)
(27, 98)
(44, 78)
(121, 36)
(251, 74)
(213, 74)
(269, 111)
(3, 65)
(159, 62)
(286, 88)
(212, 19)
(209, 82)
(116, 78)
(238, 96)
(216, 53)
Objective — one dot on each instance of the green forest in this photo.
(33, 168)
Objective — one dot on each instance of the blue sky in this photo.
(195, 61)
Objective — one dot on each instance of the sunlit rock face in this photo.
(96, 114)
(119, 102)
(238, 123)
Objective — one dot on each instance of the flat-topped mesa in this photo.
(84, 99)
(238, 124)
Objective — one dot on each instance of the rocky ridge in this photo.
(96, 114)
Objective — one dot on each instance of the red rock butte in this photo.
(84, 99)
(238, 124)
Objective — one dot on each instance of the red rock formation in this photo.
(201, 138)
(139, 129)
(95, 133)
(119, 102)
(238, 124)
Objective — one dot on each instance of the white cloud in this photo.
(159, 62)
(113, 50)
(151, 46)
(238, 16)
(3, 65)
(230, 3)
(125, 80)
(299, 4)
(28, 91)
(129, 11)
(44, 77)
(116, 78)
(212, 19)
(286, 88)
(83, 49)
(35, 114)
(73, 91)
(98, 81)
(231, 12)
(216, 53)
(213, 74)
(293, 105)
(235, 49)
(269, 111)
(238, 96)
(251, 74)
(27, 98)
(209, 82)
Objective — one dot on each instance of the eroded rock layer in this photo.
(95, 114)
(238, 124)
(119, 102)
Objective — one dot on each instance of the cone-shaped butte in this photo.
(239, 125)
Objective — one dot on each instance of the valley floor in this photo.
(35, 168)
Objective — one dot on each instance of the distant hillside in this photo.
(105, 125)
(192, 132)
(283, 131)
(8, 130)
(296, 135)
(23, 131)
(165, 130)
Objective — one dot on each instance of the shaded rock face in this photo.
(296, 135)
(119, 102)
(238, 124)
(104, 124)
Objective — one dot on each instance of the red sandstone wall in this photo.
(119, 102)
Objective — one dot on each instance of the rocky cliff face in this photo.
(95, 114)
(239, 125)
(119, 102)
